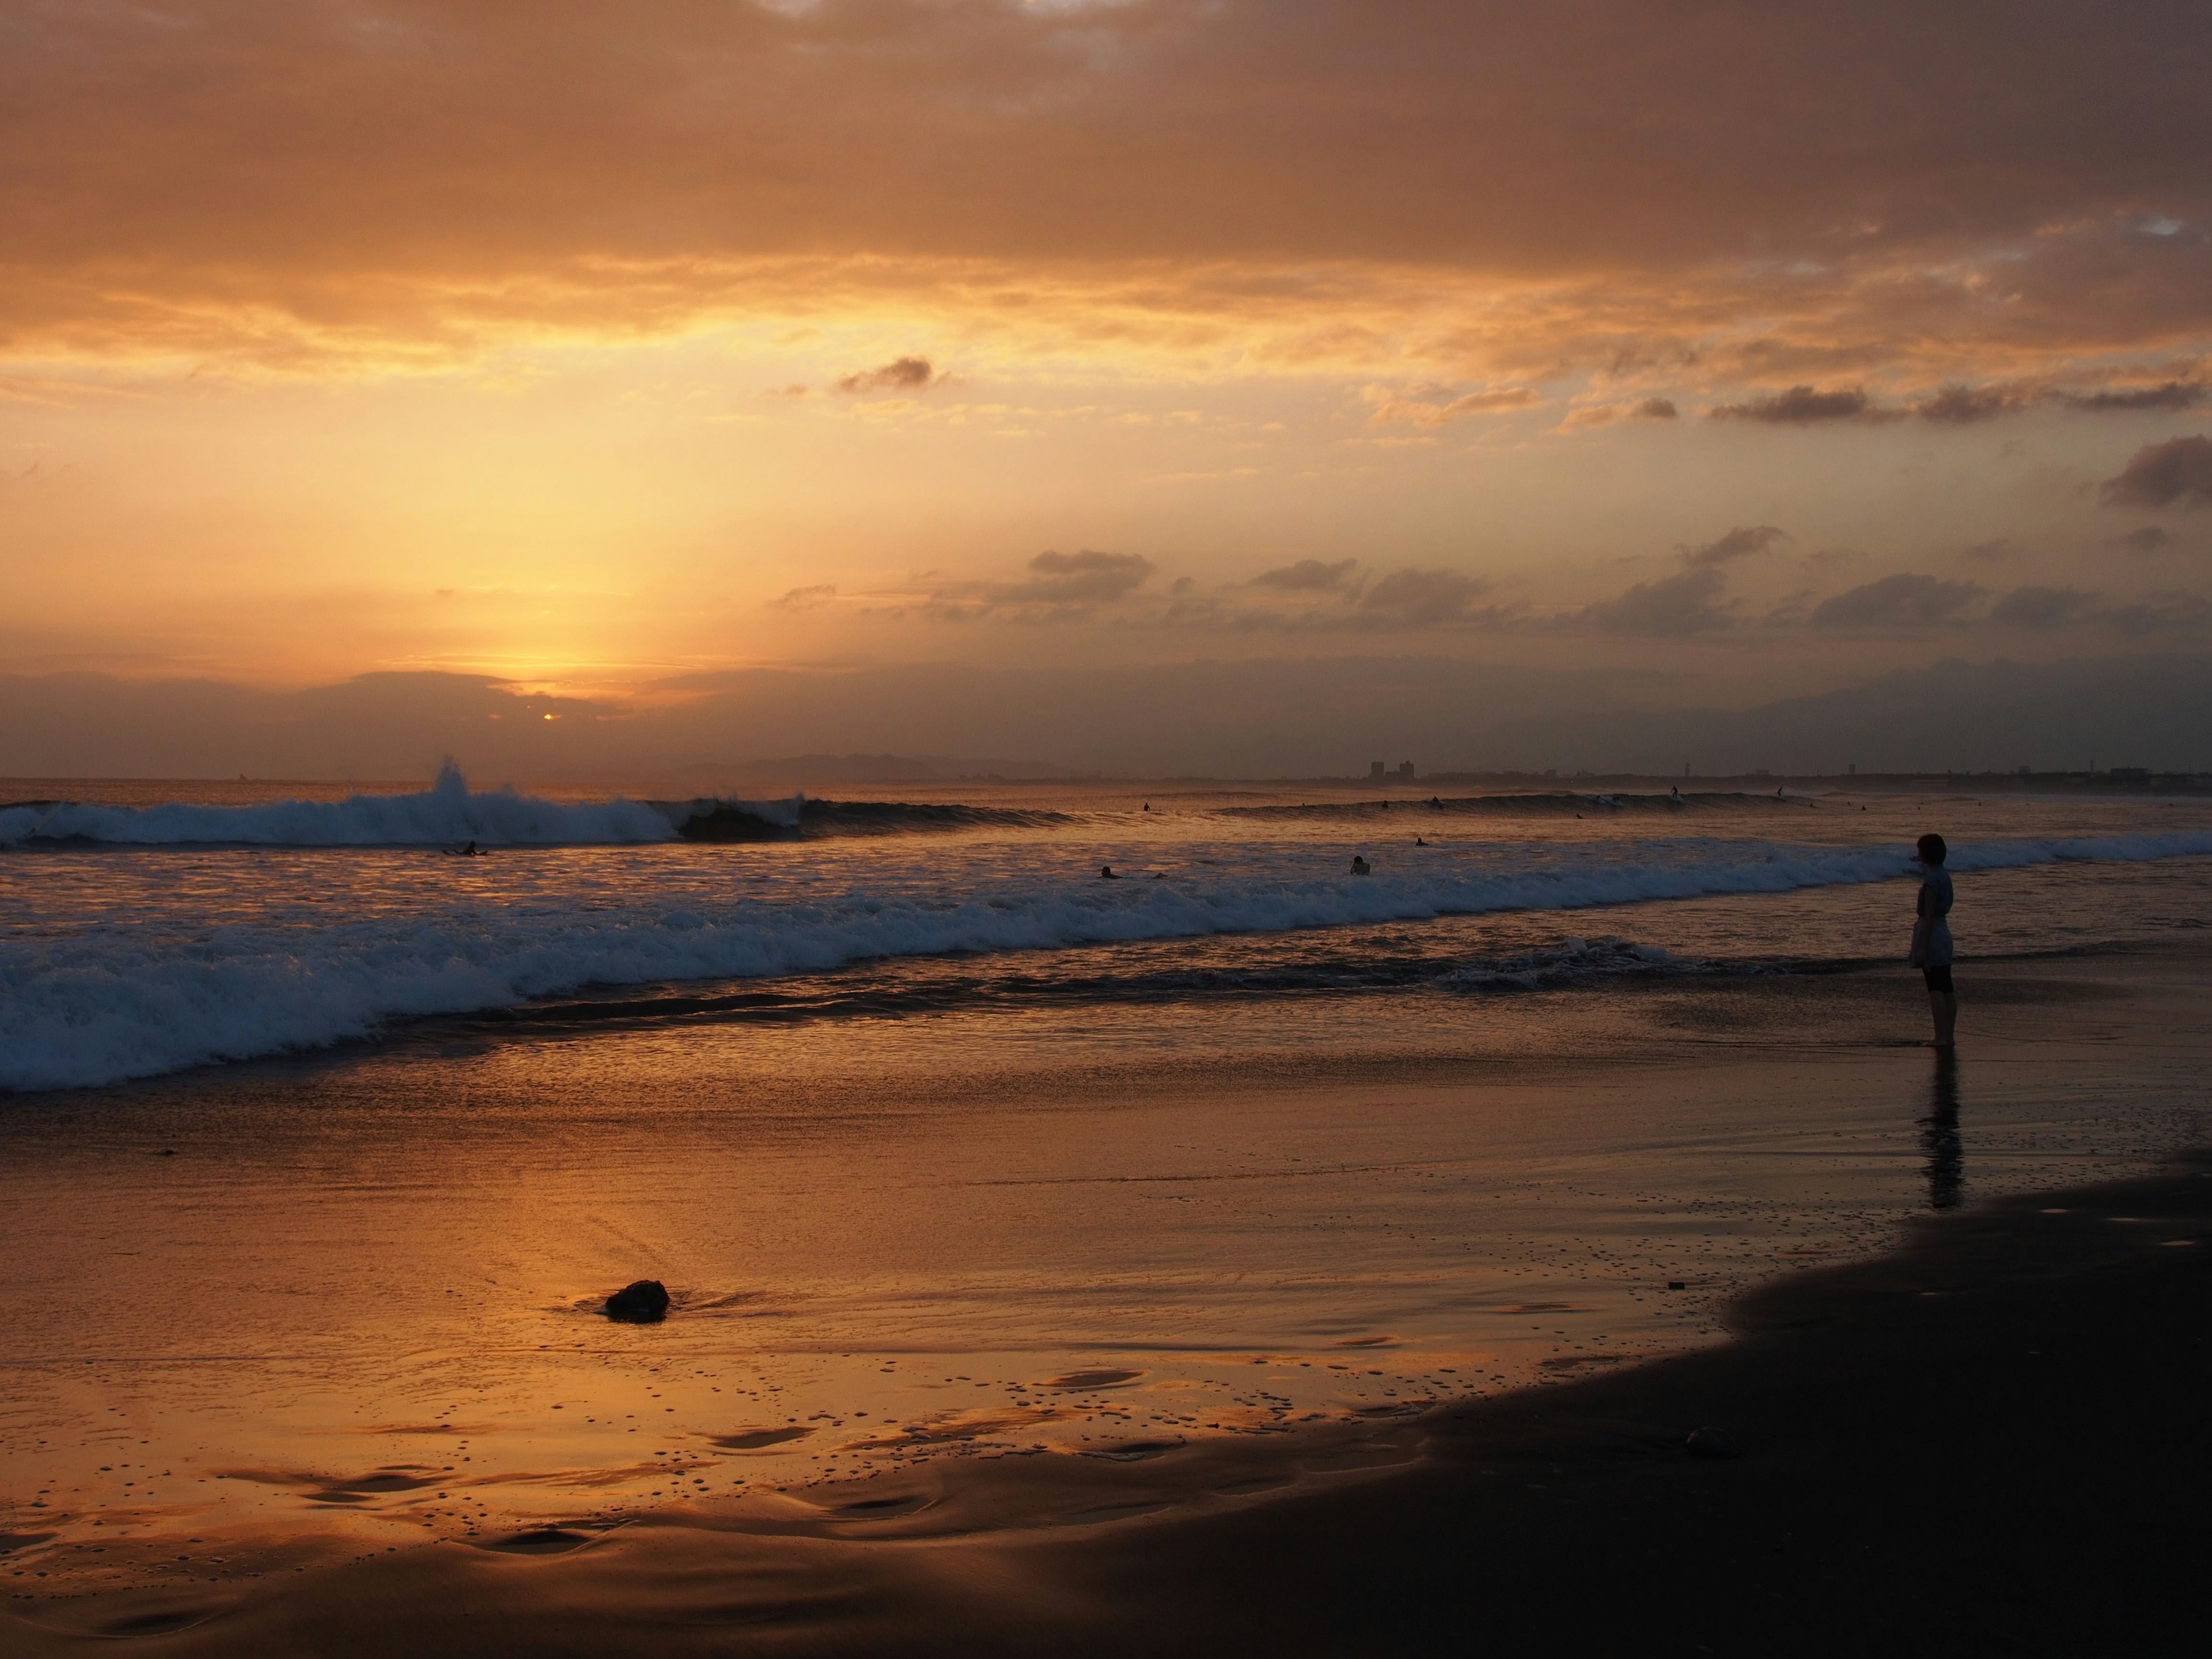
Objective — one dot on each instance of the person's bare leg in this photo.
(1944, 1005)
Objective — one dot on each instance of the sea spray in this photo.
(447, 813)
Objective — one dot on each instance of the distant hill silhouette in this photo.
(1272, 717)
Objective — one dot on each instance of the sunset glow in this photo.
(592, 354)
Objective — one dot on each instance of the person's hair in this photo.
(1931, 849)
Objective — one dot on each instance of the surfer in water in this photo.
(1106, 873)
(1358, 865)
(1931, 937)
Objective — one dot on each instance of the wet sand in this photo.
(1991, 1438)
(1991, 1441)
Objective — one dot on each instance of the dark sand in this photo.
(1993, 1440)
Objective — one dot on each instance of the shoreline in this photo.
(1398, 1524)
(1990, 1436)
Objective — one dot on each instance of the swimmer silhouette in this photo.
(1106, 873)
(1939, 1136)
(1418, 842)
(1358, 865)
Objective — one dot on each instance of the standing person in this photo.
(1931, 937)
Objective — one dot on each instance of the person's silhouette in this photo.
(1939, 1136)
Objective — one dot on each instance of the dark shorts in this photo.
(1939, 979)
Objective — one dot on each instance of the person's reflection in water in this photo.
(1939, 1135)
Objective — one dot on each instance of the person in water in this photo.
(1358, 865)
(1106, 873)
(1931, 937)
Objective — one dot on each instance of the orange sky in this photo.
(592, 346)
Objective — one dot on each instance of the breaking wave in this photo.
(113, 1003)
(447, 813)
(451, 814)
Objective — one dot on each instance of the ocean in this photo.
(321, 1146)
(146, 931)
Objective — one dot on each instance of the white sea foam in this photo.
(96, 1005)
(448, 813)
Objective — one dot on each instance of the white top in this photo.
(1931, 934)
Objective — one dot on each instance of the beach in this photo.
(1334, 1321)
(1104, 827)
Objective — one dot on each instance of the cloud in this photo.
(2178, 472)
(1060, 587)
(1894, 601)
(1329, 599)
(1825, 558)
(1651, 409)
(2147, 539)
(464, 172)
(1418, 413)
(1074, 578)
(1802, 405)
(1995, 551)
(900, 374)
(805, 598)
(1741, 543)
(1965, 405)
(2043, 607)
(1416, 599)
(1309, 576)
(2050, 608)
(2173, 395)
(1672, 607)
(1691, 602)
(1318, 598)
(1968, 405)
(2159, 613)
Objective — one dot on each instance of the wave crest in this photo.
(447, 814)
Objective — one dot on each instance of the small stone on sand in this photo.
(1711, 1442)
(641, 1303)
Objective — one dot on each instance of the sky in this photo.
(1705, 356)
